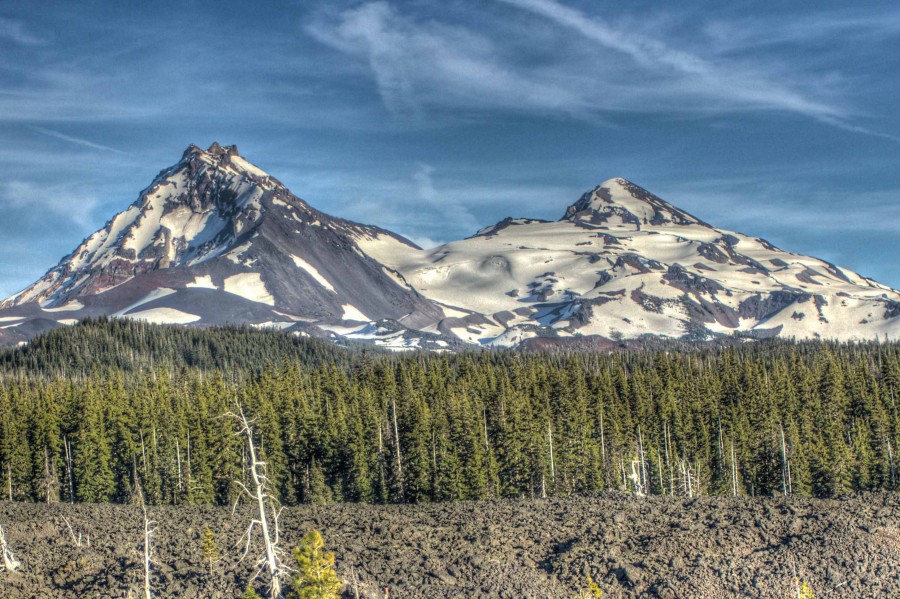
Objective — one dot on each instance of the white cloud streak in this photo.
(728, 82)
(76, 140)
(582, 66)
(417, 65)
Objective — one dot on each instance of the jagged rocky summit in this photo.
(215, 240)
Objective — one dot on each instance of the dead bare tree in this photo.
(785, 467)
(268, 507)
(637, 483)
(137, 496)
(689, 486)
(552, 462)
(49, 481)
(891, 462)
(77, 540)
(733, 471)
(9, 560)
(69, 469)
(639, 478)
(397, 446)
(149, 529)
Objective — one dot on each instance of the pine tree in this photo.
(250, 593)
(315, 577)
(209, 551)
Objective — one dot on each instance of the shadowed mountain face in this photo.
(216, 240)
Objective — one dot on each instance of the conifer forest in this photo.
(96, 411)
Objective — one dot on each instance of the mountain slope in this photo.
(216, 240)
(625, 263)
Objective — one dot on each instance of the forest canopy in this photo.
(85, 414)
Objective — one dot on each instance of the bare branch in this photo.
(75, 540)
(260, 493)
(9, 560)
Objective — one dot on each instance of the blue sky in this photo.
(436, 118)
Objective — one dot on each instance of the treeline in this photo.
(123, 345)
(815, 419)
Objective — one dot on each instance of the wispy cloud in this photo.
(15, 31)
(446, 206)
(39, 203)
(737, 84)
(861, 26)
(76, 140)
(419, 64)
(430, 205)
(754, 204)
(582, 66)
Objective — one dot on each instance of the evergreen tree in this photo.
(315, 577)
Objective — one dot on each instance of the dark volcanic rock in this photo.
(656, 546)
(761, 307)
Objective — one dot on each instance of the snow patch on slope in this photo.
(164, 316)
(68, 307)
(153, 295)
(311, 271)
(204, 282)
(250, 286)
(352, 313)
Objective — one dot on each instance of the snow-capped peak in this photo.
(192, 210)
(619, 201)
(224, 157)
(214, 239)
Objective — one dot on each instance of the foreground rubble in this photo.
(651, 547)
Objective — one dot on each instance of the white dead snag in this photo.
(380, 459)
(49, 481)
(190, 486)
(76, 539)
(645, 480)
(397, 445)
(602, 439)
(668, 461)
(178, 457)
(69, 475)
(552, 462)
(137, 494)
(891, 461)
(9, 560)
(149, 528)
(721, 442)
(687, 476)
(636, 480)
(785, 466)
(733, 472)
(268, 508)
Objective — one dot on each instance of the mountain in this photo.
(623, 263)
(214, 240)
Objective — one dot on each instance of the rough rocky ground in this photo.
(653, 547)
